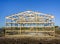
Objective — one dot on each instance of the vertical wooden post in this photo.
(20, 28)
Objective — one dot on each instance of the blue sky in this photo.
(9, 7)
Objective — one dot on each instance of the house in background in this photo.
(30, 23)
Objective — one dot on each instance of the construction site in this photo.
(30, 23)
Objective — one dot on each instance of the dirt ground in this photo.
(28, 40)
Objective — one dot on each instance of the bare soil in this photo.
(29, 40)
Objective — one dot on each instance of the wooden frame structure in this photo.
(30, 23)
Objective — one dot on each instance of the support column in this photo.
(11, 24)
(20, 28)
